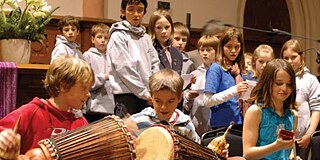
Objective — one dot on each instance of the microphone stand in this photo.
(270, 33)
(188, 24)
(315, 49)
(251, 29)
(273, 31)
(281, 32)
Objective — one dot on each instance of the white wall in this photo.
(201, 11)
(67, 7)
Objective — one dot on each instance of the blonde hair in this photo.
(295, 46)
(166, 79)
(158, 14)
(100, 27)
(67, 70)
(248, 54)
(261, 48)
(208, 41)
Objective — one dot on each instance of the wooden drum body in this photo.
(107, 138)
(161, 143)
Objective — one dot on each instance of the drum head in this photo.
(154, 143)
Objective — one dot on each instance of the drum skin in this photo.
(161, 143)
(154, 143)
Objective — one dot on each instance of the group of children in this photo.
(128, 71)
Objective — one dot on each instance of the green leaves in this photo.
(28, 23)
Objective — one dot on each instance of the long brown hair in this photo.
(261, 93)
(225, 38)
(158, 14)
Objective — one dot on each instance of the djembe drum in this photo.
(107, 138)
(161, 143)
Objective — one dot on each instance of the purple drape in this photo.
(8, 87)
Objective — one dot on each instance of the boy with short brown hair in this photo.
(101, 102)
(200, 116)
(180, 38)
(166, 92)
(66, 44)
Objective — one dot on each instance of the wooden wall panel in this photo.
(42, 54)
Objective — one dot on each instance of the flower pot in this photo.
(15, 50)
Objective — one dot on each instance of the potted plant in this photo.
(22, 25)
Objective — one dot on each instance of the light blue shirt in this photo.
(180, 122)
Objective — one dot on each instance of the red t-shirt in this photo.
(39, 121)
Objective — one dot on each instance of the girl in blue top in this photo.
(274, 109)
(224, 83)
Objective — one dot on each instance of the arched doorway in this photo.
(266, 15)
